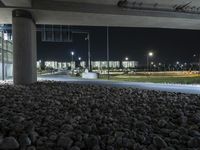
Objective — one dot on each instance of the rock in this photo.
(111, 140)
(159, 142)
(9, 143)
(31, 148)
(168, 148)
(92, 141)
(70, 116)
(119, 141)
(53, 137)
(183, 120)
(196, 118)
(75, 148)
(119, 134)
(96, 147)
(121, 112)
(128, 143)
(110, 148)
(24, 140)
(194, 133)
(1, 138)
(18, 119)
(194, 142)
(174, 135)
(64, 142)
(162, 123)
(141, 125)
(33, 136)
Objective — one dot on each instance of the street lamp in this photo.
(150, 54)
(72, 53)
(177, 65)
(126, 59)
(79, 58)
(89, 54)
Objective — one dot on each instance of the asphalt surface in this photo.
(177, 88)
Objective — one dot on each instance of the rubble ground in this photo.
(67, 116)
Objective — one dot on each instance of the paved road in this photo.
(178, 88)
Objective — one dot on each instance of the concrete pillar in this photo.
(24, 47)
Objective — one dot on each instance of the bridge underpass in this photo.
(59, 115)
(24, 14)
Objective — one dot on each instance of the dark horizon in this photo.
(169, 45)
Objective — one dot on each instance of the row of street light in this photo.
(150, 54)
(72, 54)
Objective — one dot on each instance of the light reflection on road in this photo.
(178, 88)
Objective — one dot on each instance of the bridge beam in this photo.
(17, 3)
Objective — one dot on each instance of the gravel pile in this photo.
(61, 116)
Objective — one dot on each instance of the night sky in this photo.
(169, 45)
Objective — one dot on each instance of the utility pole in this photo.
(199, 63)
(108, 53)
(89, 54)
(147, 63)
(89, 46)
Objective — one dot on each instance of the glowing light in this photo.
(150, 54)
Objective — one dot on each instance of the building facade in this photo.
(104, 64)
(129, 64)
(96, 65)
(6, 57)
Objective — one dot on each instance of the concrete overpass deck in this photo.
(140, 13)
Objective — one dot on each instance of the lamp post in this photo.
(150, 54)
(177, 65)
(72, 54)
(79, 58)
(126, 58)
(108, 51)
(89, 54)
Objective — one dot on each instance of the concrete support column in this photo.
(24, 47)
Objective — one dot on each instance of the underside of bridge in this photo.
(182, 14)
(24, 14)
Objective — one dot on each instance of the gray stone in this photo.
(194, 142)
(60, 116)
(168, 148)
(159, 142)
(33, 136)
(53, 137)
(162, 123)
(92, 141)
(75, 148)
(64, 142)
(31, 148)
(196, 118)
(174, 135)
(9, 143)
(24, 140)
